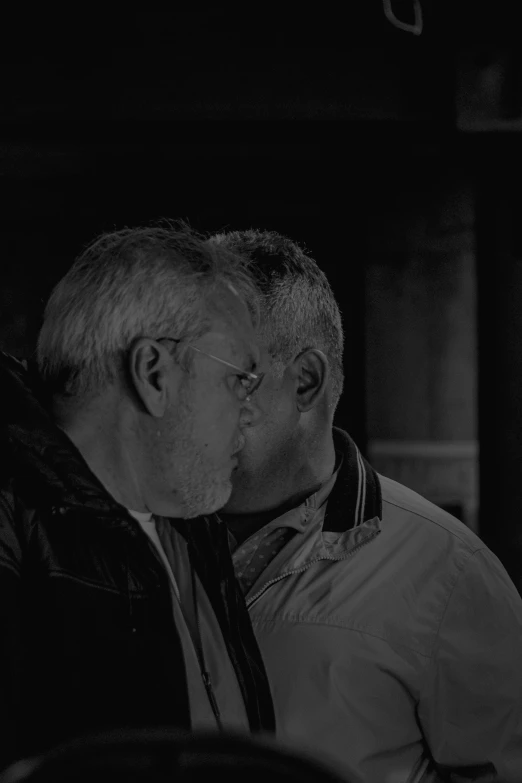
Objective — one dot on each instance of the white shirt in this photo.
(225, 686)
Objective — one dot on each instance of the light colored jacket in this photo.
(395, 645)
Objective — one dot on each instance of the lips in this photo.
(239, 447)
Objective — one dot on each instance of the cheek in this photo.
(263, 453)
(276, 409)
(268, 433)
(217, 421)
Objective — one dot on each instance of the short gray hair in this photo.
(137, 282)
(297, 303)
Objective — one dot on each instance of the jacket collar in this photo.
(343, 515)
(356, 495)
(348, 517)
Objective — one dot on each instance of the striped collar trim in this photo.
(356, 496)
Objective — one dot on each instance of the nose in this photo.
(250, 413)
(240, 445)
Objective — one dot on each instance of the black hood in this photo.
(36, 454)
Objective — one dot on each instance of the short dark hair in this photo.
(298, 307)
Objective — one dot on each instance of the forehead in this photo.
(231, 326)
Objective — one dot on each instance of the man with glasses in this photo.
(119, 608)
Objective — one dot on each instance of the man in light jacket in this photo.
(391, 634)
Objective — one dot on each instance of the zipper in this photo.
(240, 673)
(198, 646)
(250, 602)
(232, 597)
(212, 698)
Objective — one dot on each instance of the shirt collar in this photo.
(353, 492)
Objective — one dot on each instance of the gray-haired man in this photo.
(117, 611)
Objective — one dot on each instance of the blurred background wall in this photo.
(393, 158)
(421, 340)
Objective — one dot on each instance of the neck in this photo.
(287, 480)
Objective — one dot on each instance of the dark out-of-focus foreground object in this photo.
(168, 756)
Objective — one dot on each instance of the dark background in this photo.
(357, 139)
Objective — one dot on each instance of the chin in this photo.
(210, 504)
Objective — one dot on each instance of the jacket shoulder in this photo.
(404, 506)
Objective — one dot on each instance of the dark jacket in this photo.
(87, 635)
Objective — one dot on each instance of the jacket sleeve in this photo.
(10, 635)
(471, 704)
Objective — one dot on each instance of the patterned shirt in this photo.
(253, 555)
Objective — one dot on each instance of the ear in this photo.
(151, 369)
(312, 373)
